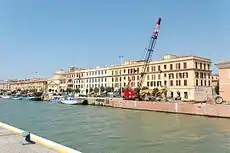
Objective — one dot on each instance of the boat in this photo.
(5, 96)
(33, 98)
(55, 99)
(70, 101)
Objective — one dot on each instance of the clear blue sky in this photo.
(46, 35)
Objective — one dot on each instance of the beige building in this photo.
(74, 78)
(38, 84)
(4, 85)
(57, 82)
(188, 75)
(224, 79)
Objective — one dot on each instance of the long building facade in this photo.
(186, 76)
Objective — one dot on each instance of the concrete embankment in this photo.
(11, 137)
(201, 109)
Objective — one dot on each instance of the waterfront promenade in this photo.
(12, 143)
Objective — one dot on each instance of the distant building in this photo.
(37, 84)
(4, 85)
(57, 82)
(190, 76)
(224, 79)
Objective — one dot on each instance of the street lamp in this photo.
(121, 58)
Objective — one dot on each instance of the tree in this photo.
(155, 91)
(217, 88)
(68, 90)
(145, 88)
(109, 89)
(102, 89)
(77, 90)
(96, 90)
(137, 89)
(90, 89)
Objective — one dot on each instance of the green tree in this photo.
(69, 90)
(145, 88)
(96, 90)
(77, 90)
(90, 89)
(155, 91)
(109, 89)
(102, 89)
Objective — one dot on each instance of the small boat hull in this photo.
(33, 98)
(70, 102)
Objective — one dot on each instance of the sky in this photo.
(47, 35)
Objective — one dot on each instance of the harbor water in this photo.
(92, 129)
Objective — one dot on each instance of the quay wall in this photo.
(47, 143)
(202, 109)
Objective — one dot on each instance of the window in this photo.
(209, 83)
(208, 67)
(204, 66)
(159, 76)
(159, 68)
(185, 83)
(201, 75)
(196, 65)
(147, 77)
(165, 75)
(197, 83)
(201, 82)
(179, 82)
(171, 67)
(165, 83)
(180, 75)
(197, 74)
(205, 83)
(148, 84)
(200, 65)
(185, 65)
(124, 71)
(147, 69)
(151, 83)
(165, 67)
(176, 82)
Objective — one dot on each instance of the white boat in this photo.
(6, 96)
(70, 101)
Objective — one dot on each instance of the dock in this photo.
(12, 141)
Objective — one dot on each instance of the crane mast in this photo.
(150, 50)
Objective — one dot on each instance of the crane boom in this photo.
(150, 50)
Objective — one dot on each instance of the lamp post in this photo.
(121, 58)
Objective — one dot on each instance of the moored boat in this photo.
(71, 101)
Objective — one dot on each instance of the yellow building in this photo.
(38, 84)
(189, 76)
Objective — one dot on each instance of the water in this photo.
(93, 129)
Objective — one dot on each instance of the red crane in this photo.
(130, 93)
